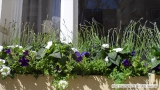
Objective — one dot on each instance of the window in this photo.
(123, 11)
(41, 14)
(133, 6)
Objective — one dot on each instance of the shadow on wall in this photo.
(80, 83)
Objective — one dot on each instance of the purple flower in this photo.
(24, 61)
(8, 50)
(26, 52)
(146, 63)
(80, 56)
(126, 62)
(133, 53)
(58, 68)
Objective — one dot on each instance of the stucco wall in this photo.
(80, 83)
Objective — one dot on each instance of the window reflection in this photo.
(111, 12)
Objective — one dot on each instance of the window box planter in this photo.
(93, 82)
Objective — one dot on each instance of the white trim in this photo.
(69, 21)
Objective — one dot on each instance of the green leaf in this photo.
(155, 63)
(41, 53)
(156, 48)
(56, 55)
(114, 58)
(112, 55)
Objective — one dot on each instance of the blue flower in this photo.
(26, 52)
(8, 50)
(24, 61)
(126, 62)
(80, 56)
(133, 53)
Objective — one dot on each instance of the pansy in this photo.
(49, 44)
(118, 49)
(5, 70)
(58, 69)
(24, 61)
(153, 59)
(104, 46)
(26, 52)
(80, 56)
(74, 50)
(63, 84)
(8, 50)
(1, 48)
(126, 62)
(106, 59)
(133, 53)
(2, 62)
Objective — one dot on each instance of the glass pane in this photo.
(116, 13)
(43, 15)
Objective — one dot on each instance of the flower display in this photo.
(118, 49)
(5, 70)
(80, 56)
(1, 48)
(63, 84)
(104, 46)
(49, 44)
(24, 61)
(126, 63)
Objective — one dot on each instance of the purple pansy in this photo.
(58, 68)
(80, 56)
(126, 62)
(24, 61)
(8, 50)
(133, 53)
(26, 52)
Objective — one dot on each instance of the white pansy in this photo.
(153, 59)
(104, 46)
(49, 44)
(34, 52)
(74, 50)
(63, 84)
(5, 71)
(13, 46)
(2, 61)
(118, 49)
(106, 59)
(1, 48)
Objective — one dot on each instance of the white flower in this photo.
(74, 49)
(13, 46)
(2, 61)
(104, 46)
(34, 52)
(106, 59)
(63, 84)
(1, 48)
(153, 59)
(5, 71)
(49, 44)
(118, 49)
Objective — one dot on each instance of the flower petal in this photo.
(85, 53)
(77, 54)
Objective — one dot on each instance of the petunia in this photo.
(126, 63)
(153, 59)
(1, 48)
(74, 50)
(80, 56)
(106, 59)
(8, 50)
(2, 62)
(5, 71)
(118, 49)
(24, 61)
(49, 44)
(26, 52)
(63, 84)
(133, 53)
(104, 46)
